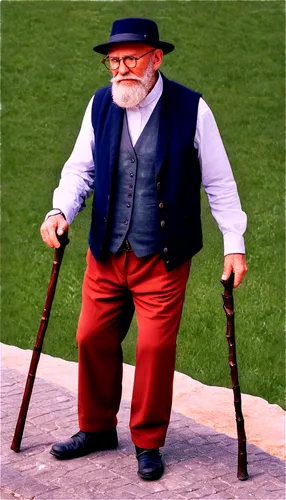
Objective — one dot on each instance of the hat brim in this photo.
(164, 46)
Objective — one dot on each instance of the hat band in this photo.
(132, 37)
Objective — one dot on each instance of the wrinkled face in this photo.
(131, 85)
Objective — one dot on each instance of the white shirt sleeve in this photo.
(218, 181)
(77, 176)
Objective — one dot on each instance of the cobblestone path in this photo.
(200, 463)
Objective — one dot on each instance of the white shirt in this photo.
(77, 176)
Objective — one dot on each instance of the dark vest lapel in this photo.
(114, 135)
(164, 128)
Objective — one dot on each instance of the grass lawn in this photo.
(232, 52)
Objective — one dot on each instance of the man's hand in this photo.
(235, 262)
(55, 224)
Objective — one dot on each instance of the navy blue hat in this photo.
(134, 30)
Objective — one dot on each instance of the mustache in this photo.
(119, 78)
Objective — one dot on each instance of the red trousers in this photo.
(111, 289)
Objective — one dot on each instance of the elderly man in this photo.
(145, 146)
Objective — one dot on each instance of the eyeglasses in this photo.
(113, 63)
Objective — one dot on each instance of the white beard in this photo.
(129, 97)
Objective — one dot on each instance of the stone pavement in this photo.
(200, 463)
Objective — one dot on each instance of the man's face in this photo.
(131, 85)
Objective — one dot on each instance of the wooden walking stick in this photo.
(58, 256)
(229, 311)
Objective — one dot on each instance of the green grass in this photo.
(233, 52)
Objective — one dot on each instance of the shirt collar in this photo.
(154, 94)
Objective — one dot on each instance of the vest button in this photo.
(158, 186)
(166, 250)
(126, 222)
(130, 195)
(128, 205)
(162, 223)
(130, 186)
(132, 160)
(161, 205)
(131, 174)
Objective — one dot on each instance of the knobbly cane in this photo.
(58, 256)
(228, 306)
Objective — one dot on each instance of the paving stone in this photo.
(220, 485)
(206, 473)
(197, 441)
(55, 494)
(203, 430)
(55, 409)
(192, 494)
(232, 448)
(216, 496)
(273, 486)
(31, 430)
(219, 453)
(61, 434)
(213, 496)
(7, 388)
(48, 416)
(94, 475)
(266, 495)
(257, 480)
(13, 391)
(180, 469)
(245, 495)
(107, 459)
(258, 457)
(224, 465)
(76, 493)
(276, 470)
(200, 485)
(221, 439)
(151, 486)
(3, 414)
(65, 423)
(113, 484)
(21, 483)
(120, 494)
(6, 494)
(281, 479)
(227, 494)
(26, 451)
(166, 495)
(60, 474)
(125, 461)
(174, 482)
(204, 460)
(127, 491)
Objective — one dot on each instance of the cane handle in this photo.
(63, 239)
(228, 284)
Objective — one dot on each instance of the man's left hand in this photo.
(236, 263)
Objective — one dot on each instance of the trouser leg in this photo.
(107, 310)
(158, 297)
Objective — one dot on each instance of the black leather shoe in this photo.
(83, 443)
(150, 463)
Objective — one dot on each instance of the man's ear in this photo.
(158, 58)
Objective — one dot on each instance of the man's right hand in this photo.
(55, 224)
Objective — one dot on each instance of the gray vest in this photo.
(134, 210)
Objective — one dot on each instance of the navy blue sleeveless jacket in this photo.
(177, 177)
(134, 203)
